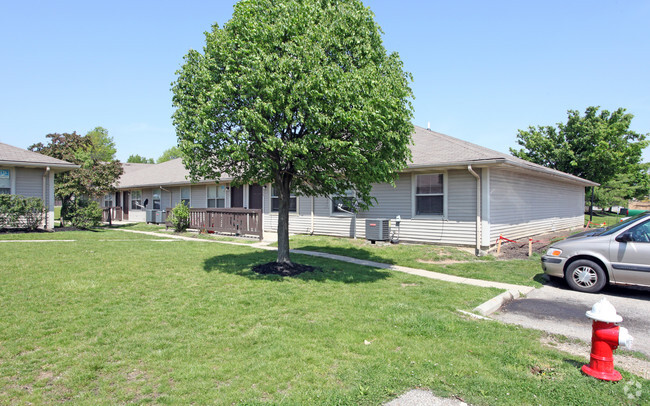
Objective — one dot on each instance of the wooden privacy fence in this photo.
(110, 214)
(233, 221)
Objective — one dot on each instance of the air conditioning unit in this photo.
(377, 229)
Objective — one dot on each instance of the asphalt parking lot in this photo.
(559, 310)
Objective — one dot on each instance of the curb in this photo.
(494, 304)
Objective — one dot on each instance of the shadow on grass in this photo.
(349, 252)
(327, 270)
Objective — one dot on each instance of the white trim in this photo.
(445, 195)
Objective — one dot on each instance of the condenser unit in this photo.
(377, 229)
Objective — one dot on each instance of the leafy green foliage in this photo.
(137, 159)
(169, 154)
(623, 187)
(85, 214)
(21, 212)
(301, 94)
(94, 178)
(180, 217)
(598, 146)
(103, 145)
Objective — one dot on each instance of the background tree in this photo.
(137, 159)
(103, 145)
(169, 154)
(94, 178)
(598, 146)
(300, 94)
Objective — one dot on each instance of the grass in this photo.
(115, 318)
(448, 260)
(600, 217)
(164, 231)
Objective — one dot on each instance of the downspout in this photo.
(478, 209)
(312, 216)
(45, 199)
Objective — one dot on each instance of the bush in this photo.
(180, 217)
(85, 213)
(21, 212)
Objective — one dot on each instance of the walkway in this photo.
(511, 291)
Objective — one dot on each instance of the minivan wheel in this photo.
(585, 276)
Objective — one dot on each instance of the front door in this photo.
(237, 196)
(126, 200)
(631, 259)
(255, 196)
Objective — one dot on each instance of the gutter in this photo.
(478, 210)
(23, 164)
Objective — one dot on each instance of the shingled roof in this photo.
(430, 149)
(14, 156)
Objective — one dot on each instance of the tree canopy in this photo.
(300, 94)
(94, 178)
(598, 146)
(169, 154)
(103, 145)
(137, 159)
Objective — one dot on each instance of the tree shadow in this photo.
(349, 252)
(327, 269)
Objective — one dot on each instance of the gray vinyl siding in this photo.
(148, 194)
(522, 205)
(29, 182)
(458, 229)
(176, 195)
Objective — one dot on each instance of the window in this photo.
(108, 200)
(275, 201)
(185, 196)
(5, 182)
(429, 194)
(136, 200)
(641, 233)
(156, 199)
(216, 196)
(343, 204)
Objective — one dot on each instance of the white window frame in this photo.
(291, 196)
(133, 204)
(189, 198)
(336, 213)
(12, 180)
(154, 200)
(216, 197)
(108, 198)
(444, 194)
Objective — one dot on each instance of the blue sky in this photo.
(482, 70)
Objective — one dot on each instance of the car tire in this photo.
(584, 275)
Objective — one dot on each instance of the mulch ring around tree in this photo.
(283, 268)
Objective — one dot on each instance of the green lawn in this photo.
(600, 217)
(448, 260)
(163, 230)
(114, 318)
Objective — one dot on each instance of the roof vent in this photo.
(429, 125)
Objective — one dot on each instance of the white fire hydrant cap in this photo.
(604, 311)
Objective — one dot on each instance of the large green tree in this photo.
(298, 93)
(94, 178)
(103, 145)
(598, 146)
(137, 159)
(169, 154)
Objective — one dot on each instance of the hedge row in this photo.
(18, 212)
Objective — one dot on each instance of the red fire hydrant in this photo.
(605, 338)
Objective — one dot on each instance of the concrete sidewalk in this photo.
(487, 308)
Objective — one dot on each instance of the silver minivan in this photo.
(619, 254)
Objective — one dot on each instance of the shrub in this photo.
(85, 213)
(21, 212)
(180, 217)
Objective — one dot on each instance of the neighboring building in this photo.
(31, 174)
(453, 192)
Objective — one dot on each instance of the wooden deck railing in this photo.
(110, 214)
(233, 221)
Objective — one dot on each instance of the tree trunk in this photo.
(283, 187)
